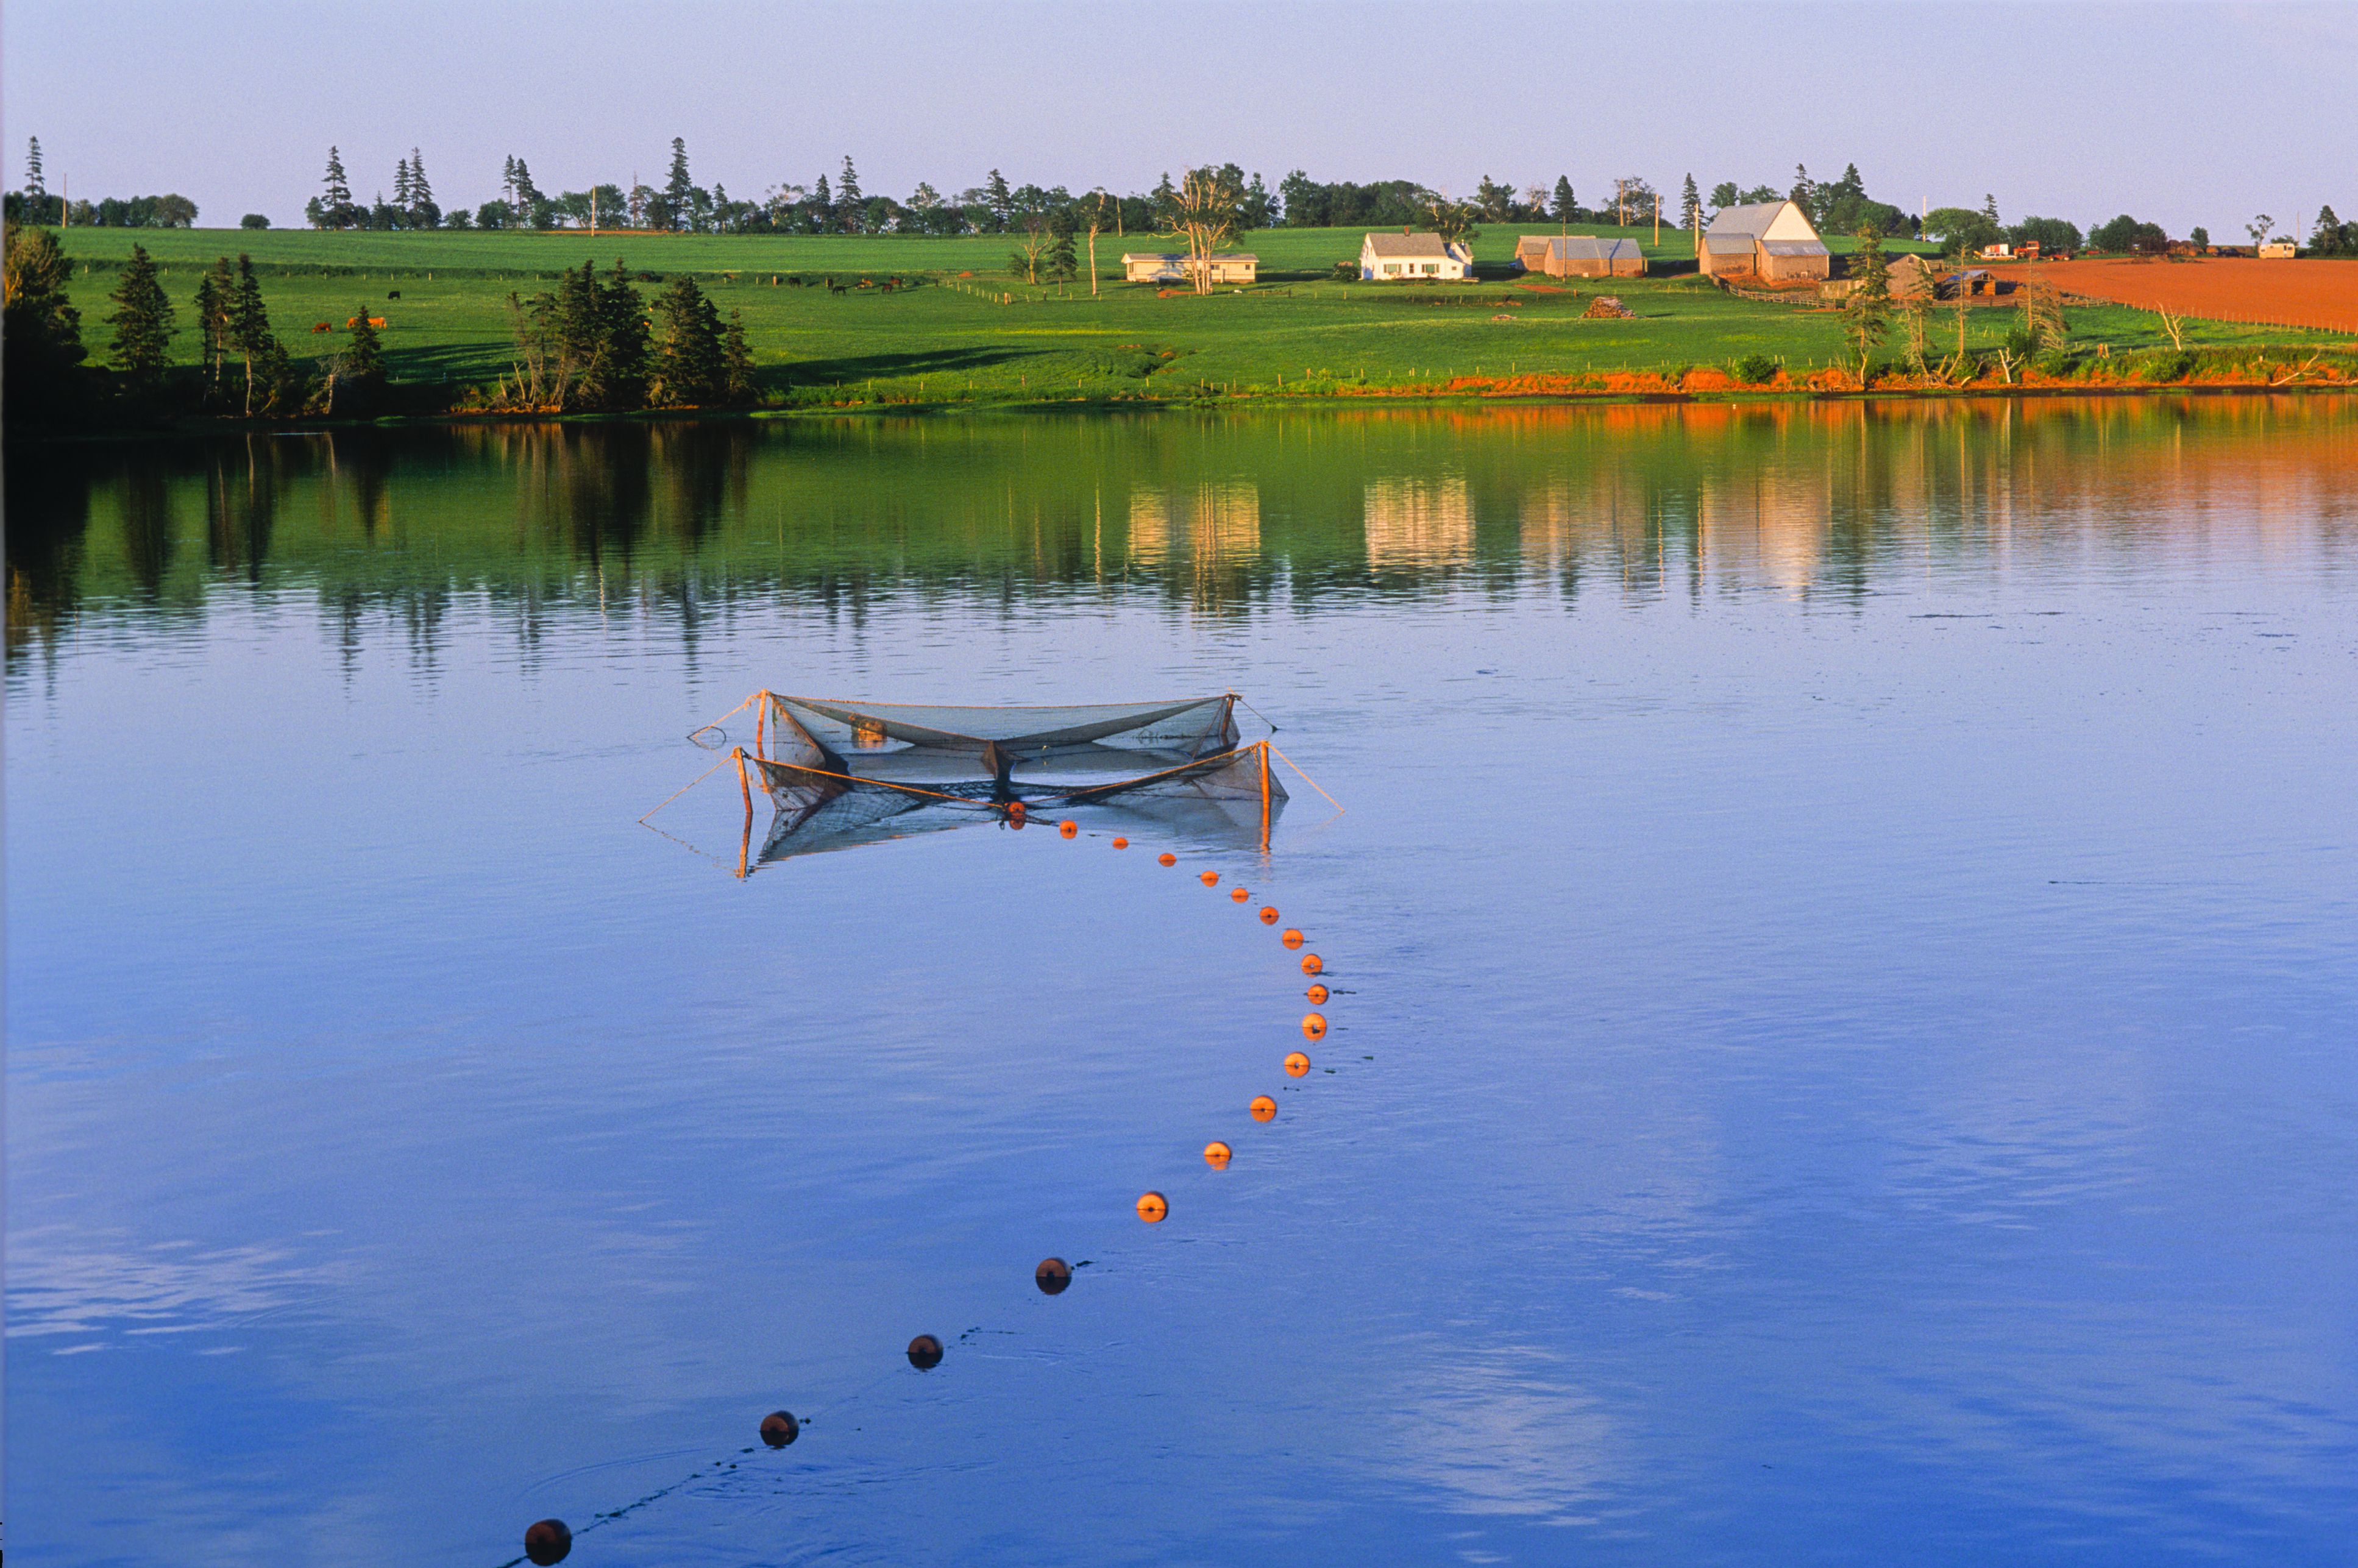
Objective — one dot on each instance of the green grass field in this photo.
(985, 337)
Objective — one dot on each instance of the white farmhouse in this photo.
(1397, 258)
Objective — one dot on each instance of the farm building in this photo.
(2277, 250)
(1398, 257)
(1175, 266)
(1773, 241)
(1580, 256)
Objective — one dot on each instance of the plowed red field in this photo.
(2306, 293)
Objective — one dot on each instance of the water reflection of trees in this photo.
(1212, 515)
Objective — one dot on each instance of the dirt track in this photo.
(2304, 293)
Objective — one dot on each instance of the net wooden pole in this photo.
(745, 787)
(1264, 797)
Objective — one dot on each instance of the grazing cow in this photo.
(321, 326)
(394, 294)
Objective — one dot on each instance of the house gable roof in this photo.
(1406, 245)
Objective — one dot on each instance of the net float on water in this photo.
(1151, 1207)
(1296, 1064)
(925, 1353)
(1216, 1154)
(780, 1428)
(1262, 1108)
(1051, 1276)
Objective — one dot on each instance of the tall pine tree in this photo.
(142, 320)
(1562, 206)
(679, 189)
(216, 301)
(848, 199)
(738, 386)
(249, 331)
(335, 195)
(689, 366)
(1690, 204)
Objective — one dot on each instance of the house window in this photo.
(1432, 269)
(1391, 269)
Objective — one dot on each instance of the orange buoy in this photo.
(925, 1353)
(1167, 858)
(1312, 964)
(1269, 914)
(1215, 1154)
(1296, 1065)
(1122, 843)
(1151, 1208)
(1211, 879)
(1292, 938)
(1317, 995)
(1016, 809)
(1240, 894)
(780, 1428)
(1069, 827)
(1262, 1108)
(1015, 818)
(1051, 1276)
(1313, 1025)
(547, 1541)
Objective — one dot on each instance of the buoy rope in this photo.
(1305, 777)
(683, 790)
(1295, 1066)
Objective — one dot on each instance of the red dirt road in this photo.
(2304, 293)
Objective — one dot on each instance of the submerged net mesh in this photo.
(896, 775)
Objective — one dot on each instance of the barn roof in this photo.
(1593, 247)
(1408, 245)
(1718, 244)
(1794, 247)
(1750, 218)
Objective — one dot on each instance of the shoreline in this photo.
(14, 434)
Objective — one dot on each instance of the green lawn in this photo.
(986, 338)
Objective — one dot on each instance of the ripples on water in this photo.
(1843, 928)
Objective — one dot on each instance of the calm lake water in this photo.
(1845, 935)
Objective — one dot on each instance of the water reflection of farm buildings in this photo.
(1211, 532)
(1418, 523)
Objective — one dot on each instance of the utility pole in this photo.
(1658, 219)
(593, 209)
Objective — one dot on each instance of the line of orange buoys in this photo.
(549, 1541)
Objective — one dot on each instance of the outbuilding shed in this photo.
(1584, 256)
(1175, 266)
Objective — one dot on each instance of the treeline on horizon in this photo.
(841, 206)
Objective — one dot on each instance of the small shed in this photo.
(2278, 250)
(1529, 250)
(1401, 258)
(1175, 266)
(1586, 256)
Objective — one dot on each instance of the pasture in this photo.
(960, 330)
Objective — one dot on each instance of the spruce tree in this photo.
(847, 198)
(142, 320)
(1804, 193)
(689, 366)
(679, 191)
(737, 362)
(249, 331)
(1564, 207)
(508, 180)
(37, 185)
(361, 365)
(336, 195)
(621, 367)
(1989, 211)
(1690, 204)
(401, 184)
(1001, 204)
(216, 302)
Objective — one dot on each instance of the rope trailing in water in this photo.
(1305, 777)
(690, 784)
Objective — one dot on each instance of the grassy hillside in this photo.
(967, 332)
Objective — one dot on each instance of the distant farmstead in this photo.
(1579, 256)
(1177, 267)
(1398, 259)
(1772, 241)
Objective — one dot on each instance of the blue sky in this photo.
(2183, 114)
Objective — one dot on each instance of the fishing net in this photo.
(849, 738)
(843, 773)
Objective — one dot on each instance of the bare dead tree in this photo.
(1206, 213)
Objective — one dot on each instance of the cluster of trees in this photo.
(413, 205)
(34, 204)
(1836, 206)
(2330, 236)
(588, 345)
